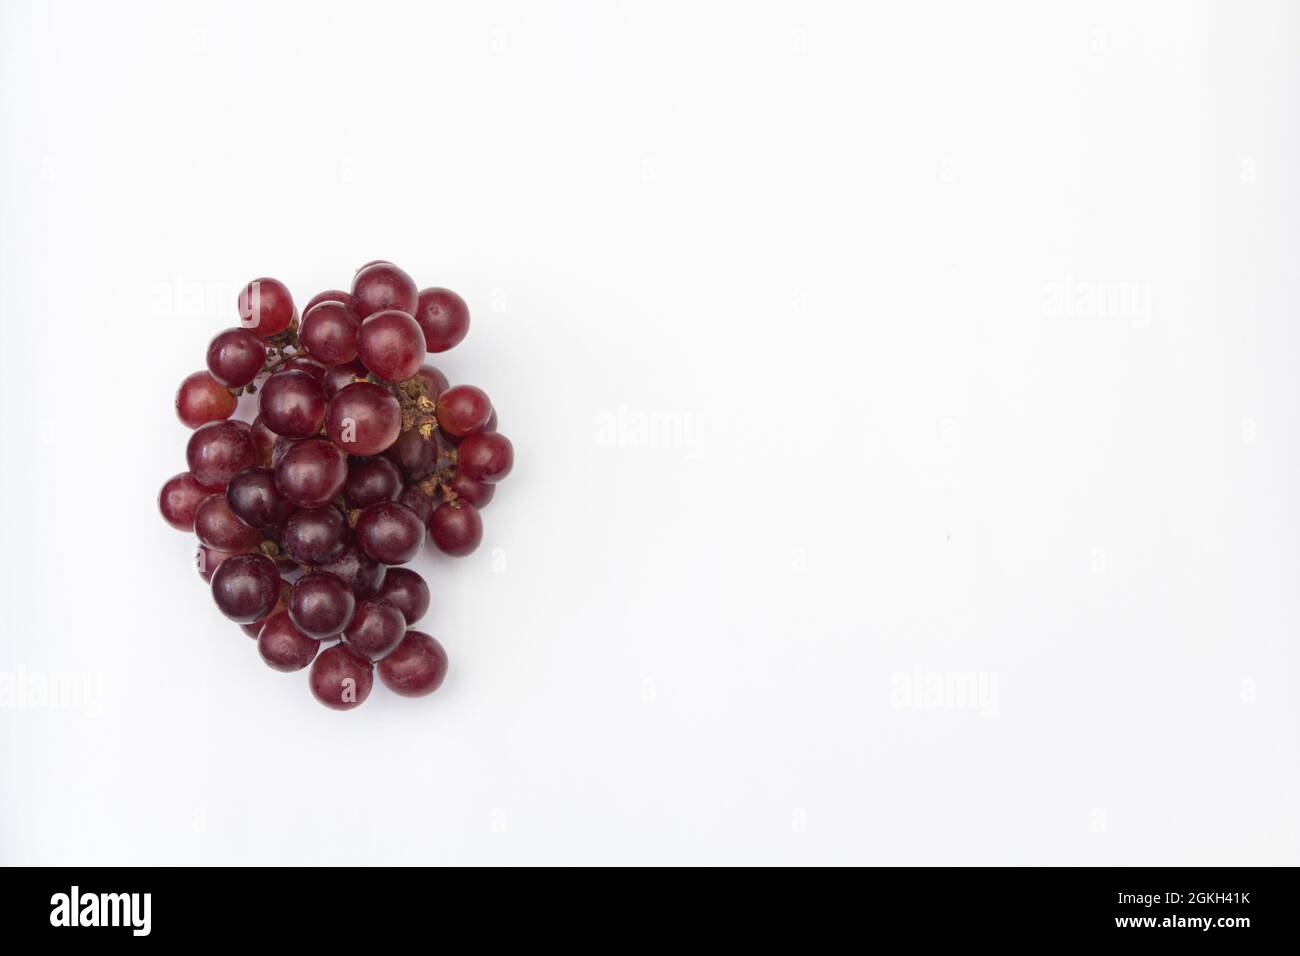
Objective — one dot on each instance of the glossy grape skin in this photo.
(246, 587)
(389, 533)
(371, 480)
(202, 399)
(254, 499)
(486, 457)
(419, 503)
(206, 561)
(329, 295)
(362, 573)
(300, 363)
(218, 451)
(178, 499)
(456, 528)
(406, 591)
(263, 441)
(292, 404)
(283, 646)
(265, 307)
(375, 629)
(218, 527)
(363, 419)
(339, 679)
(378, 286)
(413, 454)
(321, 604)
(311, 473)
(280, 448)
(315, 535)
(463, 409)
(339, 377)
(417, 666)
(477, 493)
(235, 357)
(390, 344)
(254, 629)
(443, 317)
(329, 333)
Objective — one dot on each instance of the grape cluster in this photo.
(358, 452)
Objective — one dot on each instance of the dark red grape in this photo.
(486, 456)
(254, 629)
(371, 480)
(463, 409)
(419, 503)
(443, 318)
(265, 307)
(363, 419)
(477, 493)
(246, 587)
(218, 527)
(283, 646)
(255, 500)
(280, 448)
(362, 573)
(321, 604)
(329, 333)
(338, 377)
(315, 535)
(391, 345)
(389, 533)
(381, 285)
(181, 495)
(292, 404)
(218, 451)
(435, 383)
(264, 440)
(300, 363)
(406, 591)
(235, 357)
(341, 680)
(311, 473)
(202, 399)
(413, 454)
(329, 295)
(456, 527)
(207, 561)
(375, 629)
(415, 667)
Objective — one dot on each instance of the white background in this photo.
(847, 351)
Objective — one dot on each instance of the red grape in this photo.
(219, 528)
(381, 285)
(202, 399)
(463, 409)
(419, 503)
(321, 604)
(417, 666)
(235, 357)
(341, 680)
(329, 333)
(338, 377)
(315, 535)
(246, 587)
(362, 573)
(263, 439)
(413, 454)
(311, 473)
(435, 383)
(178, 499)
(207, 561)
(218, 451)
(292, 404)
(456, 527)
(486, 456)
(363, 419)
(371, 480)
(477, 493)
(389, 533)
(254, 499)
(329, 295)
(406, 591)
(265, 307)
(375, 629)
(283, 646)
(443, 318)
(300, 363)
(391, 345)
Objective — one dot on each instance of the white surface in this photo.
(797, 316)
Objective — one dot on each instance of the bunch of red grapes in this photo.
(358, 450)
